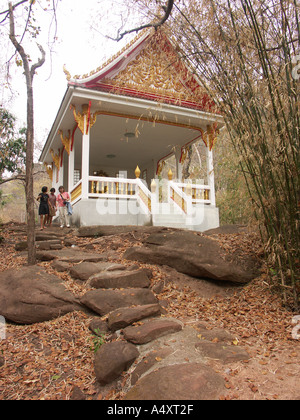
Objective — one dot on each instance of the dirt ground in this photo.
(54, 360)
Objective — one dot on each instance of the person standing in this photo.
(52, 206)
(63, 198)
(43, 198)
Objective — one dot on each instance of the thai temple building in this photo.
(118, 127)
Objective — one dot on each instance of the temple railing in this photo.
(180, 198)
(200, 194)
(105, 187)
(120, 188)
(144, 196)
(184, 195)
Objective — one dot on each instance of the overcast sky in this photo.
(81, 46)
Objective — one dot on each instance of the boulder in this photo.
(85, 270)
(123, 317)
(149, 361)
(30, 295)
(119, 279)
(190, 381)
(220, 351)
(49, 244)
(99, 231)
(216, 334)
(112, 359)
(151, 330)
(61, 266)
(72, 255)
(105, 301)
(98, 327)
(194, 254)
(45, 244)
(227, 230)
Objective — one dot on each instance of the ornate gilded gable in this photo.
(158, 70)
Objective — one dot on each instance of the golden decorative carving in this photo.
(158, 69)
(66, 141)
(67, 73)
(49, 170)
(170, 175)
(111, 59)
(79, 118)
(56, 158)
(160, 167)
(210, 136)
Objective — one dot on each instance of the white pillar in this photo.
(71, 169)
(85, 165)
(54, 183)
(61, 176)
(211, 176)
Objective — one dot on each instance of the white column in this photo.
(178, 164)
(85, 166)
(71, 169)
(61, 176)
(211, 176)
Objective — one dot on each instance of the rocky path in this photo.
(141, 350)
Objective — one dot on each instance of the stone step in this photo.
(151, 330)
(119, 279)
(85, 270)
(112, 359)
(72, 255)
(123, 317)
(104, 301)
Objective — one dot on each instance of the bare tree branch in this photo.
(167, 9)
(14, 7)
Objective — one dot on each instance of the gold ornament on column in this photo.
(170, 175)
(49, 169)
(137, 172)
(56, 158)
(66, 141)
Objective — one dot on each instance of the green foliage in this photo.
(98, 340)
(232, 194)
(12, 144)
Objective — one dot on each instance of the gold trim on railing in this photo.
(145, 199)
(76, 193)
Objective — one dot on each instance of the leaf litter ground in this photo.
(52, 360)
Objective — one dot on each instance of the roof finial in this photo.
(67, 73)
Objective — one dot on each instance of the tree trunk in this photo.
(29, 74)
(29, 176)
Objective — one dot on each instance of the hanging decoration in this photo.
(210, 136)
(85, 114)
(49, 169)
(66, 141)
(160, 166)
(56, 158)
(79, 118)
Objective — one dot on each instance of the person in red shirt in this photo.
(63, 198)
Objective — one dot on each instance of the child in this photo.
(43, 198)
(62, 199)
(52, 206)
